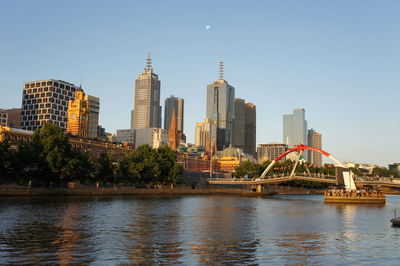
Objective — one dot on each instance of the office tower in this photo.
(147, 112)
(83, 115)
(132, 118)
(203, 132)
(295, 128)
(46, 101)
(244, 129)
(3, 118)
(174, 104)
(315, 141)
(270, 151)
(221, 108)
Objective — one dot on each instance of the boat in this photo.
(354, 196)
(349, 193)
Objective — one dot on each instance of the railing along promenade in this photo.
(269, 180)
(279, 179)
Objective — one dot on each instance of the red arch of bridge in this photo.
(300, 148)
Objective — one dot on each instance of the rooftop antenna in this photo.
(148, 61)
(221, 69)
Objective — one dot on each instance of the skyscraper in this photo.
(46, 101)
(83, 115)
(147, 110)
(203, 132)
(173, 104)
(315, 141)
(295, 128)
(221, 108)
(244, 129)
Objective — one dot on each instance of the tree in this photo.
(248, 169)
(170, 170)
(149, 166)
(105, 169)
(79, 166)
(55, 150)
(5, 161)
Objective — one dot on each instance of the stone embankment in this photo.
(123, 191)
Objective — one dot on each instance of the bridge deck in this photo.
(276, 180)
(233, 181)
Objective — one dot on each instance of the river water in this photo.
(192, 230)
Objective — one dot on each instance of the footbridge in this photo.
(343, 177)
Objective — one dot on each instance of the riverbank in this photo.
(123, 191)
(14, 190)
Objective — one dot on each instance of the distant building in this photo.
(220, 107)
(394, 166)
(103, 135)
(270, 151)
(147, 112)
(10, 117)
(173, 133)
(83, 115)
(295, 128)
(154, 137)
(3, 118)
(315, 141)
(244, 128)
(125, 135)
(174, 104)
(203, 132)
(46, 101)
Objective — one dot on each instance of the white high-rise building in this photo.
(295, 128)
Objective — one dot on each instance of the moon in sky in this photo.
(208, 27)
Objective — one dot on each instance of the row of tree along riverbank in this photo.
(49, 159)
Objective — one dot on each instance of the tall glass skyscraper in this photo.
(221, 108)
(147, 112)
(173, 103)
(295, 128)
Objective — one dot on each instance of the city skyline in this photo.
(341, 71)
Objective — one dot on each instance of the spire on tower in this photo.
(221, 69)
(148, 61)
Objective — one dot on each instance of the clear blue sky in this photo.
(339, 60)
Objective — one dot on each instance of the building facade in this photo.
(315, 141)
(46, 101)
(10, 117)
(3, 118)
(204, 131)
(125, 135)
(173, 133)
(174, 104)
(270, 151)
(244, 128)
(83, 115)
(295, 128)
(154, 137)
(220, 107)
(147, 110)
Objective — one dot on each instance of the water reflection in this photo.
(225, 232)
(194, 230)
(154, 232)
(70, 236)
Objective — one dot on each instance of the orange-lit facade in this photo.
(83, 115)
